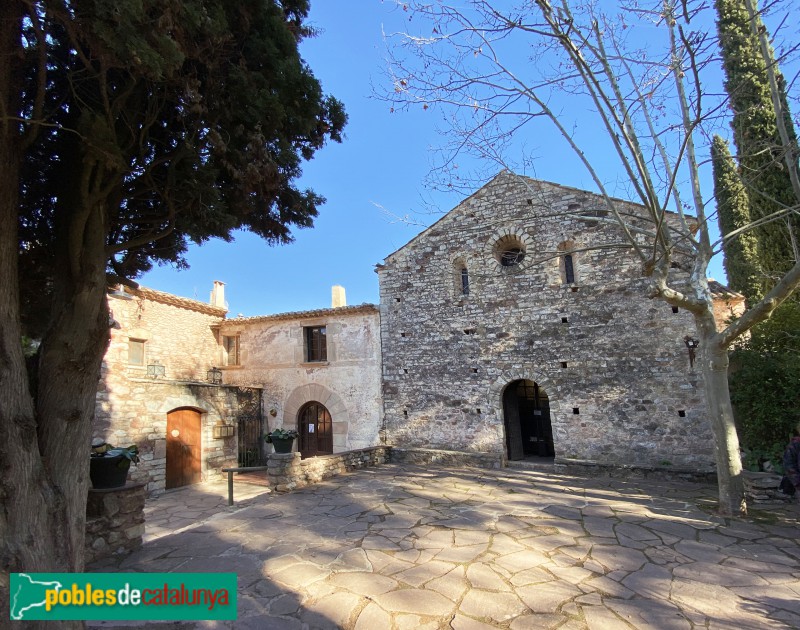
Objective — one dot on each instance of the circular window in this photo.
(512, 256)
(509, 251)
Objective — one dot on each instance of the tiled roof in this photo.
(174, 300)
(321, 312)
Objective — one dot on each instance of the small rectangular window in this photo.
(135, 352)
(231, 346)
(316, 344)
(464, 281)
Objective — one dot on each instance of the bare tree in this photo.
(629, 94)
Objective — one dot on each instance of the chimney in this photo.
(218, 294)
(337, 296)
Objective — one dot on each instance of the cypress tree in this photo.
(760, 152)
(733, 213)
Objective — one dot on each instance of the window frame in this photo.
(135, 342)
(315, 340)
(465, 281)
(227, 341)
(569, 269)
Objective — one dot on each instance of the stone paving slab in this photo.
(401, 547)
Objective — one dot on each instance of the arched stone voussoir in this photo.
(315, 392)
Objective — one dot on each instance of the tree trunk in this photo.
(45, 437)
(714, 360)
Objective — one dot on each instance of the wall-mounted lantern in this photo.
(214, 376)
(221, 430)
(155, 369)
(691, 344)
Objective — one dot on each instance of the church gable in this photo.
(525, 298)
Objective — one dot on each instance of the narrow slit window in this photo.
(464, 281)
(569, 269)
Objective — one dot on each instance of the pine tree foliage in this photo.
(733, 213)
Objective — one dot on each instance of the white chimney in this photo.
(218, 294)
(338, 298)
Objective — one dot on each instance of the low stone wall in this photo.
(763, 487)
(287, 471)
(426, 456)
(114, 521)
(586, 468)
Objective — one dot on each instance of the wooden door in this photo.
(316, 430)
(183, 448)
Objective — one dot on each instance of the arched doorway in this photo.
(184, 450)
(316, 430)
(526, 413)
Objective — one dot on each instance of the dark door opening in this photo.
(526, 412)
(183, 448)
(315, 429)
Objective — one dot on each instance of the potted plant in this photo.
(281, 439)
(109, 465)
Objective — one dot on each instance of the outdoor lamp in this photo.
(215, 376)
(155, 369)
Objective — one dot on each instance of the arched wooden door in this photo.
(184, 451)
(315, 429)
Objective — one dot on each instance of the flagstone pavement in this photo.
(401, 547)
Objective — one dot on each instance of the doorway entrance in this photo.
(315, 429)
(526, 413)
(183, 448)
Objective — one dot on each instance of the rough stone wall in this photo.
(179, 333)
(114, 521)
(132, 408)
(286, 471)
(428, 456)
(613, 363)
(348, 383)
(139, 416)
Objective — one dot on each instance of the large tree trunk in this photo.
(45, 435)
(714, 361)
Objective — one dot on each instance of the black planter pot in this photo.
(282, 445)
(108, 472)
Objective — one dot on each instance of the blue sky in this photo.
(380, 165)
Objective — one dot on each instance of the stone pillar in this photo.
(284, 471)
(114, 521)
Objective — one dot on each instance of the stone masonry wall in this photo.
(348, 383)
(287, 471)
(131, 408)
(140, 417)
(114, 521)
(178, 332)
(612, 362)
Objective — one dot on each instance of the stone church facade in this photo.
(512, 328)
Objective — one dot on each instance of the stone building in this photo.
(320, 371)
(512, 326)
(196, 392)
(154, 392)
